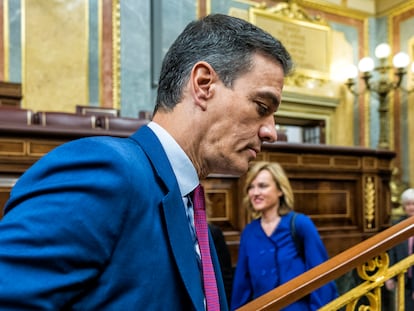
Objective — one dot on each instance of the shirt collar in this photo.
(182, 166)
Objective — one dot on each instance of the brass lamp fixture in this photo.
(383, 86)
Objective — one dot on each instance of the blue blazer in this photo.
(266, 262)
(99, 224)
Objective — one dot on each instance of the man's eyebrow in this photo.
(274, 100)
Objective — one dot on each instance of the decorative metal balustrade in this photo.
(368, 295)
(370, 260)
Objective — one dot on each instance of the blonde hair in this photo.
(281, 180)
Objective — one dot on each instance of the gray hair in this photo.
(227, 43)
(407, 195)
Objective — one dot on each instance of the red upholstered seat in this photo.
(97, 111)
(16, 115)
(66, 120)
(122, 124)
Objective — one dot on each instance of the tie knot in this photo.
(198, 197)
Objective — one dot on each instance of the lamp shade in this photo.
(382, 50)
(401, 60)
(366, 64)
(351, 72)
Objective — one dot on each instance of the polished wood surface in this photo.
(10, 94)
(25, 136)
(345, 190)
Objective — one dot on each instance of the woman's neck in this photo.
(270, 216)
(269, 222)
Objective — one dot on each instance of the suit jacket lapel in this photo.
(175, 217)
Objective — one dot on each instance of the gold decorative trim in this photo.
(6, 39)
(397, 10)
(302, 80)
(391, 101)
(23, 49)
(374, 268)
(100, 38)
(410, 73)
(208, 6)
(38, 148)
(292, 11)
(410, 116)
(367, 98)
(289, 9)
(87, 37)
(367, 118)
(11, 147)
(116, 60)
(369, 202)
(340, 10)
(373, 298)
(374, 273)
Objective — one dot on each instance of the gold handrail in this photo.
(332, 269)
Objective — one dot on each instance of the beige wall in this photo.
(55, 54)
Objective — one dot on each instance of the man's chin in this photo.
(236, 170)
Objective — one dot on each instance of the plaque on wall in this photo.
(308, 42)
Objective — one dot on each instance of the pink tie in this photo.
(200, 223)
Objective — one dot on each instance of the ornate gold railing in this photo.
(375, 272)
(368, 257)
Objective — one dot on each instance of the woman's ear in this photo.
(203, 78)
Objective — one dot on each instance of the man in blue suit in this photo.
(105, 223)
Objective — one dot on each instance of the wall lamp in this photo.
(383, 85)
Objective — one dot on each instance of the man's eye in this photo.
(262, 109)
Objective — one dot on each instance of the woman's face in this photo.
(263, 192)
(409, 207)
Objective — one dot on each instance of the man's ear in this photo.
(203, 78)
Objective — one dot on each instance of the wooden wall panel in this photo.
(345, 190)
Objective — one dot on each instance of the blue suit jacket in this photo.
(99, 224)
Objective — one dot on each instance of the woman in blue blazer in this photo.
(279, 244)
(103, 224)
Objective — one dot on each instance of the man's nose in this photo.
(267, 131)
